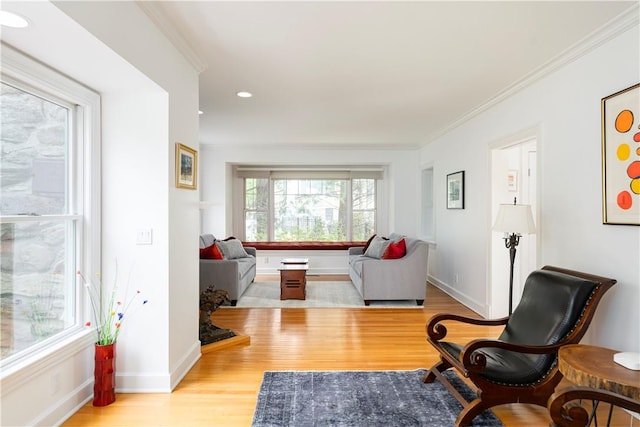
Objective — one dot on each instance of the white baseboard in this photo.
(68, 405)
(479, 308)
(158, 382)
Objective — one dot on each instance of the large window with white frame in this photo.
(49, 209)
(308, 205)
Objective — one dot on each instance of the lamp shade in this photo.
(515, 219)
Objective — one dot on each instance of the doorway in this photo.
(513, 177)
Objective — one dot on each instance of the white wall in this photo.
(566, 106)
(149, 102)
(402, 192)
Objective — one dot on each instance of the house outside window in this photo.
(289, 206)
(45, 193)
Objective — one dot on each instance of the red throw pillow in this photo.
(395, 250)
(211, 252)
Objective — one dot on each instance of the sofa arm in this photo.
(251, 251)
(356, 250)
(222, 274)
(380, 277)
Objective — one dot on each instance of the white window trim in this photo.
(239, 172)
(86, 176)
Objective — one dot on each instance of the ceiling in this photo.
(365, 74)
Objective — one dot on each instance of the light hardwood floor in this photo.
(221, 389)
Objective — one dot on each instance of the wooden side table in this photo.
(293, 278)
(598, 378)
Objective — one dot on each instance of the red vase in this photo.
(104, 387)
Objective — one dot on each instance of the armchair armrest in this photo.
(474, 360)
(356, 250)
(437, 331)
(251, 251)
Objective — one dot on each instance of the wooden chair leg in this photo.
(469, 412)
(441, 366)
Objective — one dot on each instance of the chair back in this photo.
(556, 306)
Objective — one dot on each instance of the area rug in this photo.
(360, 398)
(319, 294)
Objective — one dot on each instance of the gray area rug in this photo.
(319, 294)
(360, 398)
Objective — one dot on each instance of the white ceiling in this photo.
(366, 73)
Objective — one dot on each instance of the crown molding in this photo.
(616, 26)
(157, 15)
(313, 146)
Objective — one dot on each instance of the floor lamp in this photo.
(514, 220)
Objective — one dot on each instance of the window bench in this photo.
(288, 246)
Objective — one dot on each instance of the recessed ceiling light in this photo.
(200, 112)
(9, 19)
(244, 94)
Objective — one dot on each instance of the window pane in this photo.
(364, 196)
(256, 226)
(34, 136)
(37, 267)
(37, 282)
(310, 210)
(364, 225)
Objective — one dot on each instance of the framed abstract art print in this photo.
(621, 157)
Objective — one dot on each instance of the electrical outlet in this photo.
(455, 279)
(144, 236)
(266, 260)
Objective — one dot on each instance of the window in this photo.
(44, 193)
(308, 206)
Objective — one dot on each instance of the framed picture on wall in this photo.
(186, 167)
(621, 157)
(455, 190)
(512, 180)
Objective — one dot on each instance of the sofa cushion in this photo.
(366, 246)
(232, 249)
(245, 265)
(395, 250)
(356, 263)
(396, 237)
(211, 252)
(377, 247)
(206, 240)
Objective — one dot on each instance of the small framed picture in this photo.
(186, 167)
(455, 190)
(512, 180)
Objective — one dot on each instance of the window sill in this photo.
(285, 246)
(23, 370)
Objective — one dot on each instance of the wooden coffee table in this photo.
(293, 278)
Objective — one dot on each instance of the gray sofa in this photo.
(391, 279)
(232, 275)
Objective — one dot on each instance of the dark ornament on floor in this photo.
(210, 300)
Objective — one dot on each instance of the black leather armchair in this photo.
(556, 308)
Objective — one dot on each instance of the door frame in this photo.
(519, 144)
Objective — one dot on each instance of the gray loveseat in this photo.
(391, 279)
(232, 275)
